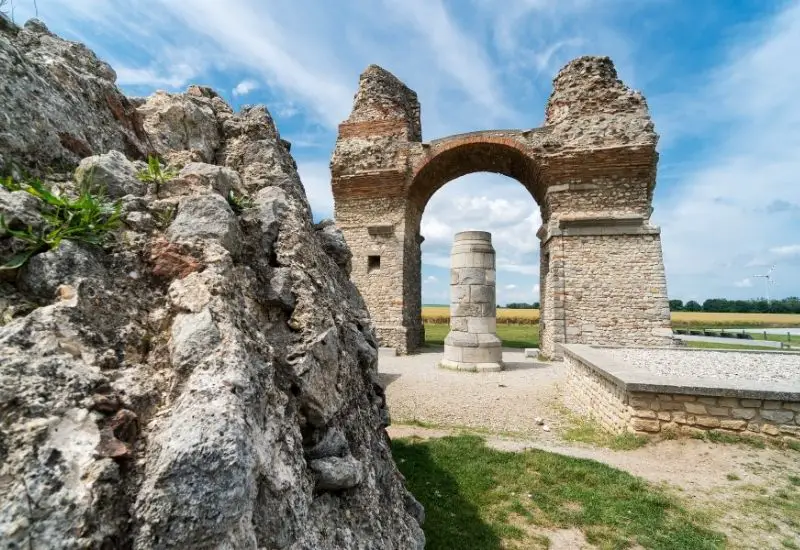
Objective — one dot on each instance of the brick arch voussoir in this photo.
(420, 190)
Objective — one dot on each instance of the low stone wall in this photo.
(623, 398)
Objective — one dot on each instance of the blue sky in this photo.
(721, 78)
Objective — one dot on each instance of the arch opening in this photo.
(493, 201)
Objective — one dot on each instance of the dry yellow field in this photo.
(731, 319)
(441, 314)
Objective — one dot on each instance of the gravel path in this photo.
(507, 401)
(760, 367)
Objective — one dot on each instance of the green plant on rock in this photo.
(155, 175)
(164, 216)
(9, 183)
(88, 218)
(239, 202)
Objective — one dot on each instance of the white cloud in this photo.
(454, 51)
(720, 216)
(245, 87)
(177, 76)
(431, 279)
(510, 287)
(744, 283)
(536, 289)
(788, 250)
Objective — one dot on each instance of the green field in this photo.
(527, 336)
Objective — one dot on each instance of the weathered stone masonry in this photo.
(591, 169)
(472, 343)
(624, 400)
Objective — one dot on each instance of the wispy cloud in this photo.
(715, 219)
(788, 250)
(245, 87)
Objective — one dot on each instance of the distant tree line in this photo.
(522, 305)
(722, 305)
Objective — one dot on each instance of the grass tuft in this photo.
(589, 431)
(88, 218)
(155, 175)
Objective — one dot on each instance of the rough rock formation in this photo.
(210, 380)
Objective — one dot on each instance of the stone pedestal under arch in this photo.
(591, 169)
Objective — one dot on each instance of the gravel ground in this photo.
(760, 367)
(507, 401)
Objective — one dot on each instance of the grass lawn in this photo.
(527, 336)
(680, 319)
(479, 498)
(513, 336)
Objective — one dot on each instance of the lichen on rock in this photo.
(210, 379)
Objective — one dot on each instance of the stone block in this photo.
(719, 411)
(769, 429)
(466, 309)
(750, 402)
(482, 325)
(670, 405)
(679, 417)
(707, 400)
(728, 402)
(695, 408)
(737, 425)
(707, 422)
(771, 405)
(792, 406)
(684, 398)
(644, 413)
(639, 402)
(452, 354)
(471, 276)
(489, 341)
(461, 339)
(777, 415)
(459, 294)
(690, 430)
(746, 414)
(665, 416)
(481, 355)
(790, 430)
(642, 425)
(491, 276)
(483, 294)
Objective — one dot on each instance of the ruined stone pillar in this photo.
(472, 343)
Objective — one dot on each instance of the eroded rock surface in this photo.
(210, 380)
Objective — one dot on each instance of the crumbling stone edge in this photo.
(622, 398)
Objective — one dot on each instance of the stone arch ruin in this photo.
(591, 169)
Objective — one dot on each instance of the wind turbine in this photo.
(767, 280)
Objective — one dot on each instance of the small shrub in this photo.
(89, 218)
(153, 174)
